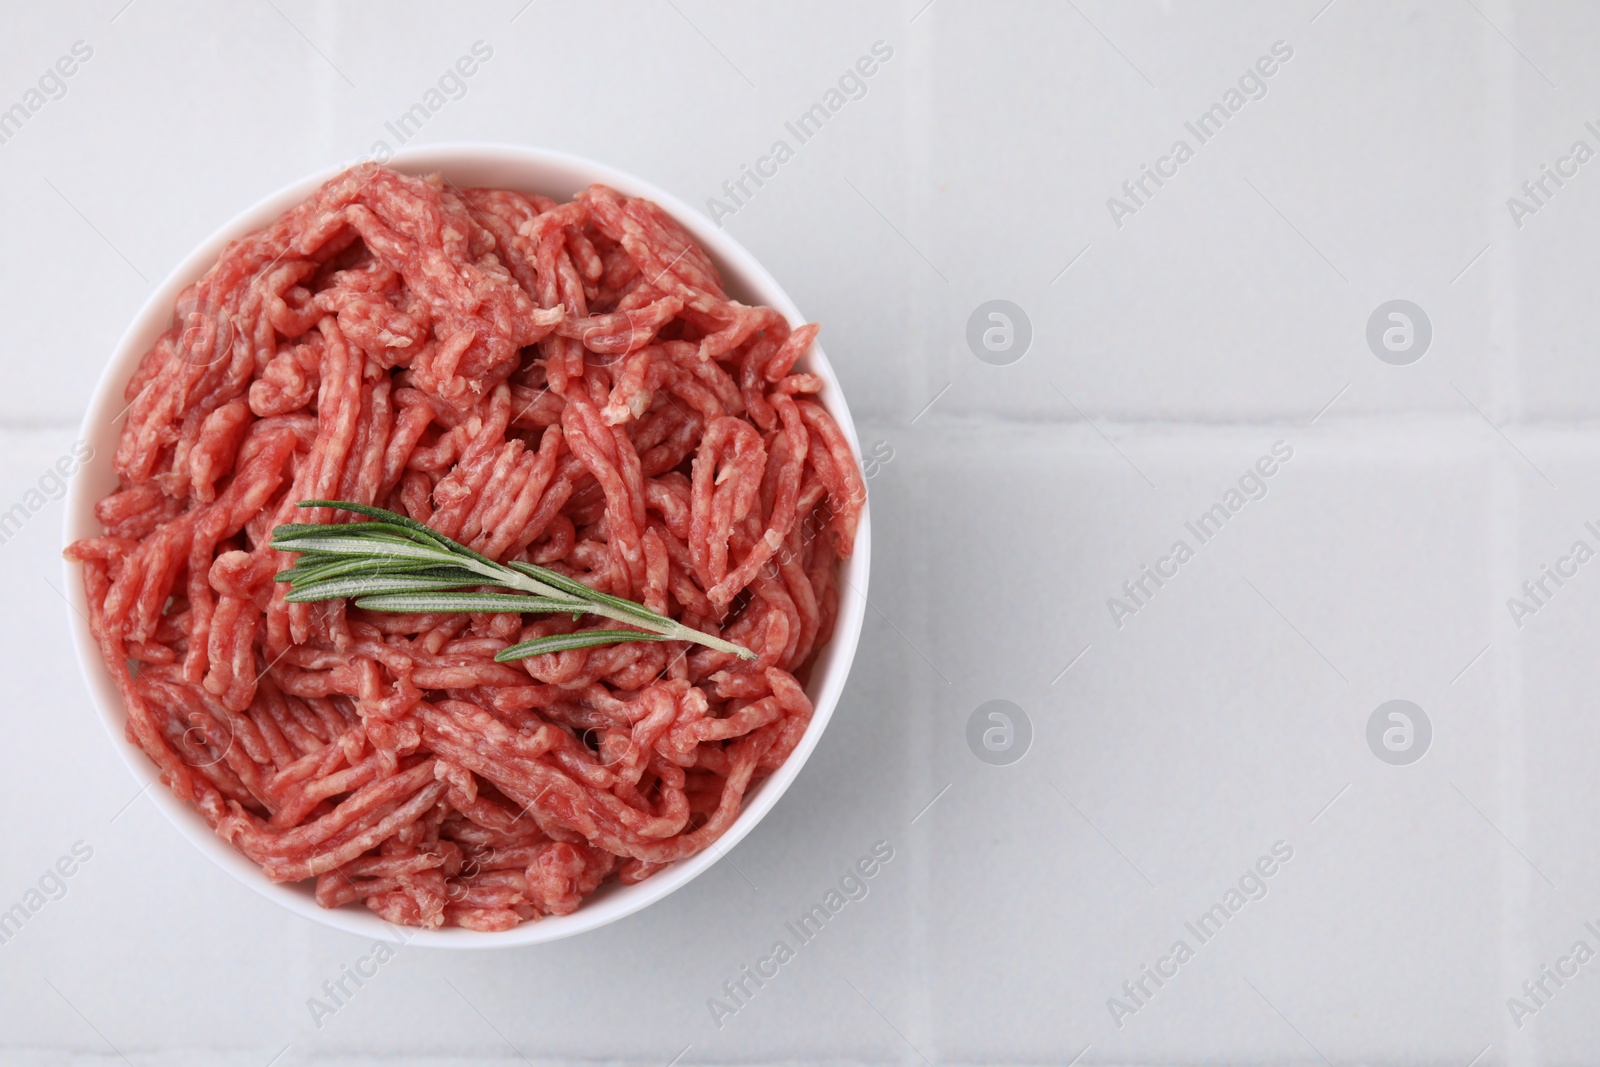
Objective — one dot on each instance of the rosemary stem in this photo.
(331, 555)
(675, 631)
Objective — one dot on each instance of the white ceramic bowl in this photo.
(556, 175)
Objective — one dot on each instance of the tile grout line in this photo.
(917, 84)
(1505, 499)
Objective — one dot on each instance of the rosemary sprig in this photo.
(394, 563)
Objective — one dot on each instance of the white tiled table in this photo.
(1229, 713)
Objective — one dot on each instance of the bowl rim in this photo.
(552, 173)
